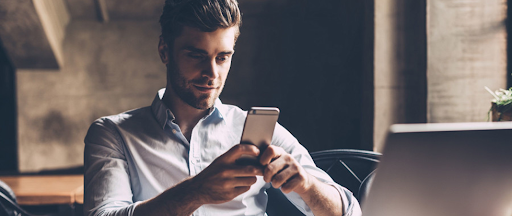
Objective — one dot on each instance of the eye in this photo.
(222, 58)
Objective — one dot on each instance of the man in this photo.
(178, 156)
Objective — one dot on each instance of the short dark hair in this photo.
(206, 15)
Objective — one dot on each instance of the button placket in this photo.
(195, 144)
(175, 130)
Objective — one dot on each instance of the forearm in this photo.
(322, 199)
(179, 200)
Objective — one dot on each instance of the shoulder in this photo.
(125, 116)
(110, 125)
(122, 118)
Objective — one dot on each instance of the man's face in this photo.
(199, 64)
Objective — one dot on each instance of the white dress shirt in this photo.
(136, 155)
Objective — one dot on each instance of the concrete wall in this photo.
(309, 58)
(109, 68)
(400, 65)
(466, 51)
(433, 59)
(306, 57)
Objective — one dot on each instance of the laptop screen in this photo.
(447, 169)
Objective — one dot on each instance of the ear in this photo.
(163, 50)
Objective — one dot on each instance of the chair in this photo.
(350, 168)
(8, 203)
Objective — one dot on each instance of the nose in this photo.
(211, 69)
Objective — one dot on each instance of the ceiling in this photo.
(117, 9)
(145, 9)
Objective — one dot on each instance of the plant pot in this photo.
(501, 113)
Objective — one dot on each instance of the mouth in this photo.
(205, 89)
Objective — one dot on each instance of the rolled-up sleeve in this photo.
(107, 189)
(350, 204)
(285, 140)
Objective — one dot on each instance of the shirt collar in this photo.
(164, 114)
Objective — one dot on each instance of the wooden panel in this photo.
(45, 190)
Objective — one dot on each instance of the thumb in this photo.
(238, 150)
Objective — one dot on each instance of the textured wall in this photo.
(400, 65)
(466, 51)
(109, 68)
(433, 59)
(306, 57)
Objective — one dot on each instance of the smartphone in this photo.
(258, 130)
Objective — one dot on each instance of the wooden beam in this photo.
(54, 17)
(101, 6)
(24, 36)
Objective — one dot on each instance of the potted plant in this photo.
(501, 108)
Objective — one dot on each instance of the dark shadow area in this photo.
(79, 170)
(414, 41)
(8, 123)
(310, 59)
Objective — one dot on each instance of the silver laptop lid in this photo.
(454, 169)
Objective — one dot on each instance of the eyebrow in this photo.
(197, 50)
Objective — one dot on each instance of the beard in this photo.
(184, 89)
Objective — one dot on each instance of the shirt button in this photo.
(197, 160)
(174, 131)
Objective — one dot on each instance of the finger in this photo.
(272, 152)
(244, 181)
(280, 178)
(274, 168)
(292, 183)
(245, 171)
(238, 150)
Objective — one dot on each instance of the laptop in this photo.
(444, 169)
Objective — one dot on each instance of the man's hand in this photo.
(220, 182)
(223, 179)
(284, 171)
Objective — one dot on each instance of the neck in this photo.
(185, 115)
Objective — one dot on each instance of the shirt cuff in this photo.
(135, 204)
(350, 204)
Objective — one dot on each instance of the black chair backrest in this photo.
(9, 205)
(7, 198)
(350, 168)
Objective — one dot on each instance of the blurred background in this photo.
(341, 71)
